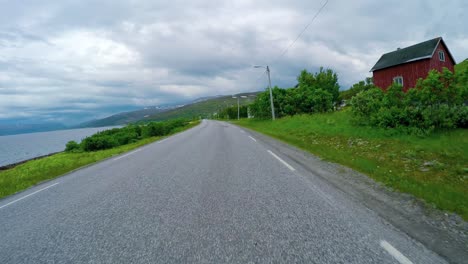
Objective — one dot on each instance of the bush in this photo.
(366, 104)
(437, 102)
(72, 146)
(98, 142)
(121, 136)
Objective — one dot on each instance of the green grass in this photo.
(434, 168)
(35, 171)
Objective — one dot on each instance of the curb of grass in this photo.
(89, 164)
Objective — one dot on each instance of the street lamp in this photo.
(238, 104)
(269, 86)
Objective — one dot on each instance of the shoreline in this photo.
(12, 165)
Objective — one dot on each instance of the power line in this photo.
(300, 34)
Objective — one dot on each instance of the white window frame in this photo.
(398, 80)
(441, 55)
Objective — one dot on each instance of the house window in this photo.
(441, 55)
(398, 80)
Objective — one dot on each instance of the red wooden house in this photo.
(405, 66)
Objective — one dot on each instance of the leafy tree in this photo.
(358, 87)
(231, 112)
(325, 79)
(315, 93)
(261, 107)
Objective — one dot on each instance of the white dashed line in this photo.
(282, 161)
(128, 154)
(394, 252)
(242, 131)
(28, 195)
(252, 138)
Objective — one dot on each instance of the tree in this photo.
(327, 80)
(358, 87)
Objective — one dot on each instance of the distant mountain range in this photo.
(20, 128)
(126, 117)
(201, 107)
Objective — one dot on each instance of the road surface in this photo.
(212, 194)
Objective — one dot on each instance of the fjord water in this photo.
(16, 148)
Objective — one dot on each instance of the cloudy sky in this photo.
(70, 61)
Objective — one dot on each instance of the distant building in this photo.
(405, 66)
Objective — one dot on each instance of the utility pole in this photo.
(271, 94)
(269, 87)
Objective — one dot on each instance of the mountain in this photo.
(126, 117)
(21, 128)
(201, 107)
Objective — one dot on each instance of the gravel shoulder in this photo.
(442, 232)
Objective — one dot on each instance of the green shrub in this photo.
(72, 146)
(437, 102)
(366, 104)
(98, 142)
(129, 134)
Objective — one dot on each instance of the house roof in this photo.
(420, 51)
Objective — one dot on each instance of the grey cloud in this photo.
(63, 57)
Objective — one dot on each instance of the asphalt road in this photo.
(212, 194)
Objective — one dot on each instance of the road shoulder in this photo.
(444, 233)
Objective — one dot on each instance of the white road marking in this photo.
(394, 252)
(162, 140)
(242, 131)
(252, 138)
(282, 161)
(128, 154)
(12, 202)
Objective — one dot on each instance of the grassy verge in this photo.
(434, 168)
(35, 171)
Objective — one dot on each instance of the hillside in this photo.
(202, 108)
(125, 117)
(461, 66)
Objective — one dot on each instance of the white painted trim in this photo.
(398, 77)
(435, 48)
(441, 52)
(420, 58)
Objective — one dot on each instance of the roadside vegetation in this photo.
(92, 149)
(122, 136)
(414, 142)
(433, 167)
(231, 112)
